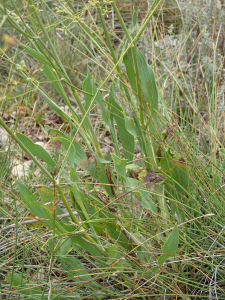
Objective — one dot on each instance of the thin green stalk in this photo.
(44, 31)
(67, 80)
(114, 58)
(121, 21)
(95, 141)
(134, 51)
(14, 24)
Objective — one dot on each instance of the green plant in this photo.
(125, 206)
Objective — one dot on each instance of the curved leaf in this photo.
(170, 246)
(36, 150)
(127, 139)
(130, 126)
(119, 164)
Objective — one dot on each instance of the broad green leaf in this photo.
(149, 99)
(59, 133)
(65, 140)
(36, 150)
(87, 209)
(146, 201)
(116, 235)
(141, 139)
(64, 246)
(177, 169)
(126, 138)
(103, 222)
(178, 180)
(66, 144)
(82, 200)
(74, 176)
(88, 206)
(47, 195)
(51, 245)
(119, 165)
(76, 270)
(134, 18)
(133, 167)
(30, 289)
(129, 63)
(77, 154)
(90, 87)
(54, 106)
(150, 273)
(23, 286)
(170, 246)
(115, 258)
(53, 77)
(222, 151)
(55, 81)
(148, 85)
(40, 57)
(79, 242)
(130, 126)
(78, 157)
(101, 160)
(87, 87)
(30, 200)
(43, 212)
(36, 208)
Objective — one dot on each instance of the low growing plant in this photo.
(135, 213)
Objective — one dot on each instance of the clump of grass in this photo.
(140, 166)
